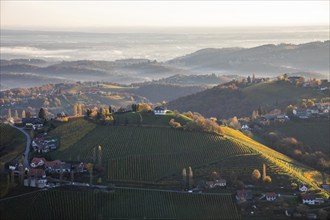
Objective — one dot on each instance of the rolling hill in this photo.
(226, 101)
(153, 152)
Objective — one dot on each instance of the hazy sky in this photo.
(86, 14)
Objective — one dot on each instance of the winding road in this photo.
(27, 148)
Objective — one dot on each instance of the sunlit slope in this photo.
(278, 91)
(286, 164)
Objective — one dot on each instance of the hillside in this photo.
(226, 101)
(153, 153)
(164, 92)
(265, 59)
(12, 143)
(313, 134)
(204, 79)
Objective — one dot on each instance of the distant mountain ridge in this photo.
(265, 59)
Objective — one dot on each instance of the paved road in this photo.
(27, 148)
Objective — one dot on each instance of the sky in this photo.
(92, 14)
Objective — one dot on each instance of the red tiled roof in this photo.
(270, 194)
(53, 163)
(37, 172)
(36, 160)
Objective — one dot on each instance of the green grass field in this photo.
(120, 204)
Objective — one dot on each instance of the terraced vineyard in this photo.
(120, 204)
(148, 154)
(283, 163)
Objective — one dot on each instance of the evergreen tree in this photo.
(248, 79)
(134, 107)
(42, 114)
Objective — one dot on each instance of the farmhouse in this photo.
(303, 188)
(302, 114)
(57, 166)
(37, 178)
(160, 110)
(43, 146)
(37, 162)
(270, 196)
(308, 198)
(33, 122)
(216, 183)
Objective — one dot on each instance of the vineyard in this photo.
(284, 164)
(120, 204)
(71, 132)
(148, 154)
(151, 153)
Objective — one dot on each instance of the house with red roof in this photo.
(270, 196)
(36, 178)
(37, 162)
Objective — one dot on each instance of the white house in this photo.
(271, 196)
(245, 127)
(220, 182)
(36, 182)
(303, 188)
(308, 199)
(160, 110)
